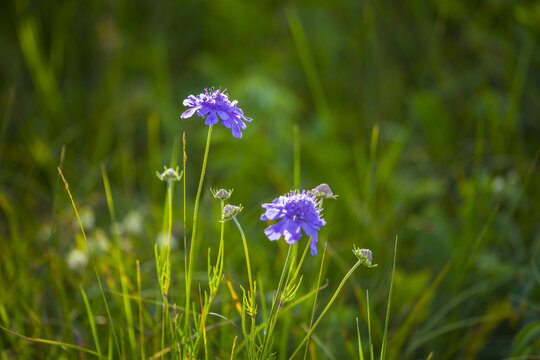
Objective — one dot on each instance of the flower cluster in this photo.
(297, 210)
(215, 104)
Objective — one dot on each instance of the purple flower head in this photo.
(297, 210)
(215, 105)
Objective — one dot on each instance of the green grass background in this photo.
(422, 115)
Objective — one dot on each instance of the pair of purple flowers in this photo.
(296, 210)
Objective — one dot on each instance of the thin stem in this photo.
(219, 261)
(326, 308)
(301, 260)
(251, 287)
(163, 326)
(167, 267)
(194, 230)
(168, 263)
(246, 251)
(272, 318)
(315, 300)
(141, 329)
(184, 161)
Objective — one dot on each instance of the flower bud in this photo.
(169, 175)
(364, 255)
(230, 211)
(221, 194)
(323, 191)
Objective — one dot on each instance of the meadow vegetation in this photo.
(421, 116)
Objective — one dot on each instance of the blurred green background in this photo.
(422, 115)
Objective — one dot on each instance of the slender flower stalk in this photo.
(315, 299)
(167, 269)
(362, 260)
(170, 176)
(308, 335)
(194, 230)
(276, 306)
(246, 252)
(229, 213)
(184, 161)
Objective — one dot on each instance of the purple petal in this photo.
(240, 122)
(292, 232)
(222, 114)
(274, 232)
(311, 231)
(212, 119)
(190, 101)
(236, 130)
(271, 214)
(313, 246)
(189, 112)
(203, 111)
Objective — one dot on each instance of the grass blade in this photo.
(93, 263)
(91, 320)
(53, 342)
(385, 335)
(360, 351)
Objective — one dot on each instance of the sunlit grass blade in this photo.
(385, 335)
(53, 342)
(370, 344)
(141, 326)
(233, 346)
(360, 351)
(119, 260)
(93, 264)
(91, 320)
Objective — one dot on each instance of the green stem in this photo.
(219, 261)
(167, 268)
(308, 335)
(246, 251)
(301, 261)
(168, 263)
(184, 160)
(194, 230)
(251, 287)
(315, 300)
(272, 318)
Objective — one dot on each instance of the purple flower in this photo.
(215, 105)
(297, 210)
